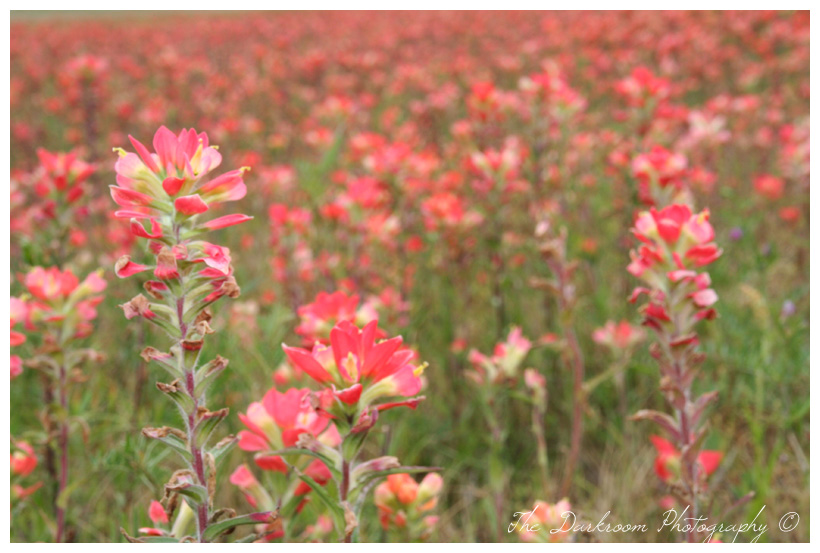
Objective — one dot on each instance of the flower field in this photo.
(398, 277)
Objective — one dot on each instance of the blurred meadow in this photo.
(407, 158)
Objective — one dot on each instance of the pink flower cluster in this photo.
(405, 506)
(505, 361)
(57, 298)
(318, 318)
(169, 189)
(675, 244)
(360, 375)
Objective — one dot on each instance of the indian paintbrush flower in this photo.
(169, 189)
(675, 245)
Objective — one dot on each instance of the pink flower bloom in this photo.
(63, 173)
(672, 237)
(659, 164)
(538, 524)
(359, 369)
(171, 180)
(277, 422)
(667, 463)
(50, 284)
(319, 317)
(58, 297)
(534, 380)
(187, 153)
(22, 461)
(442, 209)
(661, 175)
(620, 335)
(642, 86)
(243, 478)
(157, 513)
(769, 186)
(403, 503)
(506, 359)
(19, 312)
(15, 366)
(215, 257)
(675, 242)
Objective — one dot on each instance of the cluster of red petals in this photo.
(668, 459)
(675, 244)
(356, 363)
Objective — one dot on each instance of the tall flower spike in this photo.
(170, 188)
(61, 308)
(360, 373)
(360, 376)
(675, 245)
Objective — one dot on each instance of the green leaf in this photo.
(288, 509)
(218, 528)
(222, 447)
(195, 492)
(353, 443)
(183, 400)
(207, 425)
(62, 499)
(178, 445)
(208, 373)
(334, 507)
(147, 539)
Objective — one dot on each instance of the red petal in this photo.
(172, 185)
(227, 221)
(305, 361)
(190, 205)
(144, 154)
(138, 230)
(271, 462)
(125, 267)
(350, 395)
(710, 460)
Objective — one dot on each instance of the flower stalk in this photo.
(554, 252)
(675, 244)
(168, 189)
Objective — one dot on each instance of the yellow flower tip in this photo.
(420, 369)
(350, 366)
(120, 152)
(215, 147)
(245, 169)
